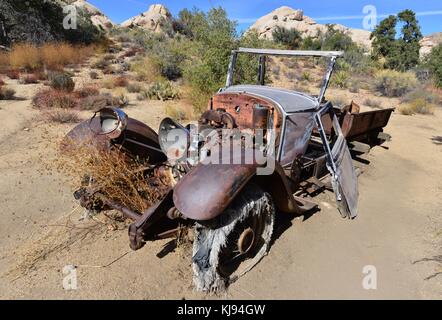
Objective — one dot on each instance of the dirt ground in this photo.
(398, 230)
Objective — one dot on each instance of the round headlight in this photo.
(112, 122)
(173, 139)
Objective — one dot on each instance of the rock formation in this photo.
(152, 20)
(289, 18)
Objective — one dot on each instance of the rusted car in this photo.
(298, 147)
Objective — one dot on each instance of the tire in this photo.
(226, 248)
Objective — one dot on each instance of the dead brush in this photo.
(54, 99)
(117, 176)
(62, 116)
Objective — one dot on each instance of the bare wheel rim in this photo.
(243, 243)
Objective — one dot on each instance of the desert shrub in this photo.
(434, 63)
(340, 79)
(121, 100)
(54, 99)
(146, 69)
(310, 43)
(178, 112)
(13, 74)
(162, 91)
(134, 87)
(100, 64)
(391, 83)
(93, 75)
(290, 38)
(97, 102)
(306, 76)
(121, 82)
(374, 103)
(29, 79)
(62, 81)
(354, 87)
(109, 70)
(420, 106)
(87, 91)
(62, 116)
(421, 93)
(108, 83)
(109, 57)
(6, 93)
(125, 66)
(337, 101)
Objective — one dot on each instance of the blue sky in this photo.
(346, 12)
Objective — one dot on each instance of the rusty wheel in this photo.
(228, 248)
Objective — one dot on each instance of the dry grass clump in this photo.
(417, 106)
(118, 177)
(179, 112)
(25, 56)
(146, 70)
(4, 61)
(62, 116)
(374, 103)
(53, 56)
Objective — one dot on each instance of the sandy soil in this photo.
(399, 228)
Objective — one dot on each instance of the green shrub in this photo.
(434, 63)
(134, 87)
(62, 81)
(391, 83)
(290, 38)
(161, 91)
(340, 79)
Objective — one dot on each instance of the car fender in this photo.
(208, 189)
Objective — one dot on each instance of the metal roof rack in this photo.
(301, 53)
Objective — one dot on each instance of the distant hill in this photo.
(40, 21)
(290, 18)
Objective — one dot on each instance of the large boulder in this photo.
(290, 18)
(153, 19)
(98, 19)
(429, 42)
